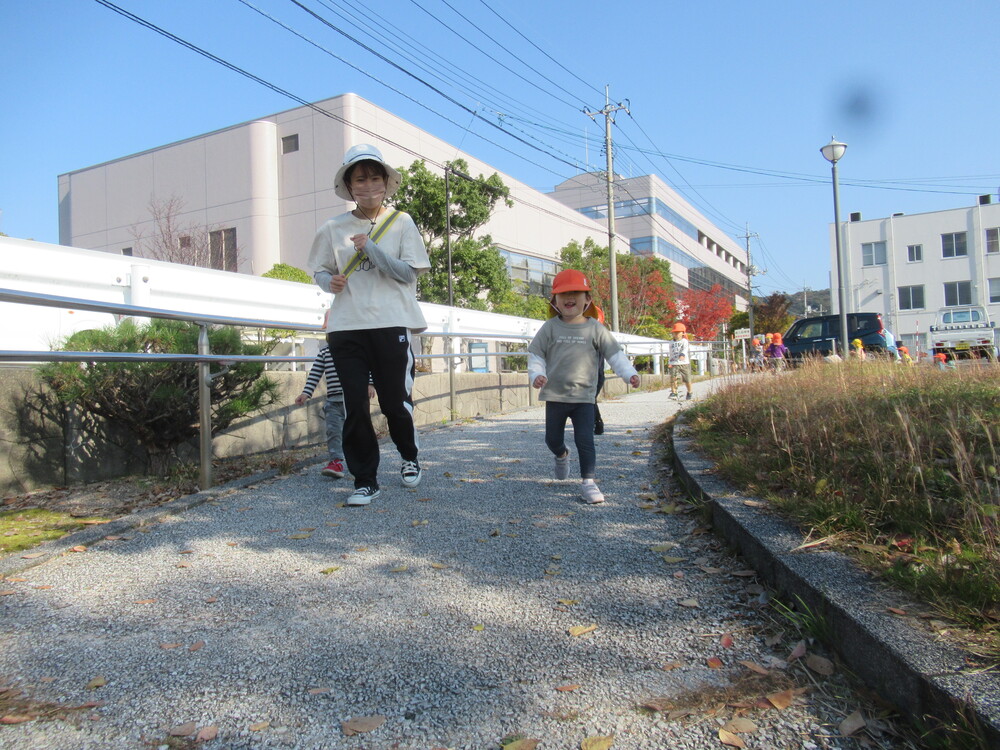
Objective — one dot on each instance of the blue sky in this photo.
(729, 102)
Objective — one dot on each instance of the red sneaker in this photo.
(334, 469)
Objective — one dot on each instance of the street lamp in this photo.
(832, 152)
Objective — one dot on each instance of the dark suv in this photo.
(821, 335)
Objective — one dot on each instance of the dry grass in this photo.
(900, 463)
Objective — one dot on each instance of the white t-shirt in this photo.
(680, 352)
(371, 299)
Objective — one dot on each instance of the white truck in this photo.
(963, 333)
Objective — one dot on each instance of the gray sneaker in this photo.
(410, 473)
(562, 466)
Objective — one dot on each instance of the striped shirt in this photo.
(323, 365)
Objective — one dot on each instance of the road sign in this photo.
(741, 333)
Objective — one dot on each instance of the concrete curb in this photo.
(925, 678)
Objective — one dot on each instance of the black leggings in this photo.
(582, 416)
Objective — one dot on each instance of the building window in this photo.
(957, 293)
(994, 290)
(224, 253)
(953, 245)
(993, 240)
(184, 242)
(127, 251)
(873, 253)
(915, 253)
(911, 297)
(290, 143)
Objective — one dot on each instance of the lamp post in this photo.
(832, 152)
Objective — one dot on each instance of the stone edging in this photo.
(904, 664)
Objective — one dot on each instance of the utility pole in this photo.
(608, 111)
(751, 272)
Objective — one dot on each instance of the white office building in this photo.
(262, 188)
(661, 224)
(908, 267)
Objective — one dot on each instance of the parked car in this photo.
(820, 336)
(963, 333)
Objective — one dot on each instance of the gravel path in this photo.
(273, 615)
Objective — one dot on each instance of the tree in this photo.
(478, 268)
(174, 241)
(645, 286)
(518, 301)
(285, 272)
(158, 402)
(771, 314)
(704, 312)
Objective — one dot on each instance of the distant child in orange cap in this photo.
(679, 361)
(563, 361)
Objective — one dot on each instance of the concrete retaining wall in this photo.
(46, 444)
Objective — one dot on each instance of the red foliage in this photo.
(704, 312)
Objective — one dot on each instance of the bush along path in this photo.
(486, 608)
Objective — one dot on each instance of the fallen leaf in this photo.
(328, 571)
(671, 665)
(755, 504)
(423, 499)
(679, 713)
(578, 630)
(712, 571)
(479, 628)
(438, 566)
(678, 574)
(260, 726)
(755, 667)
(781, 700)
(522, 744)
(168, 646)
(399, 569)
(852, 724)
(299, 536)
(14, 579)
(15, 719)
(361, 724)
(666, 547)
(740, 725)
(798, 652)
(820, 665)
(7, 593)
(597, 743)
(673, 560)
(186, 552)
(896, 610)
(212, 600)
(318, 691)
(183, 730)
(196, 645)
(97, 682)
(728, 738)
(31, 555)
(145, 601)
(183, 565)
(714, 662)
(726, 641)
(745, 573)
(207, 734)
(688, 602)
(568, 602)
(567, 688)
(78, 548)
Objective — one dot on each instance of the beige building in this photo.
(262, 188)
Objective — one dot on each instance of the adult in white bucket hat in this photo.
(370, 259)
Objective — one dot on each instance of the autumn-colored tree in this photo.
(770, 315)
(645, 287)
(703, 312)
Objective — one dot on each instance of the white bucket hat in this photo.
(364, 152)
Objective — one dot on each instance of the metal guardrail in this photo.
(204, 358)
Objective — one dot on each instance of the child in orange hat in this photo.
(563, 361)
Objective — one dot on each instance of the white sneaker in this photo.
(591, 494)
(364, 495)
(411, 473)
